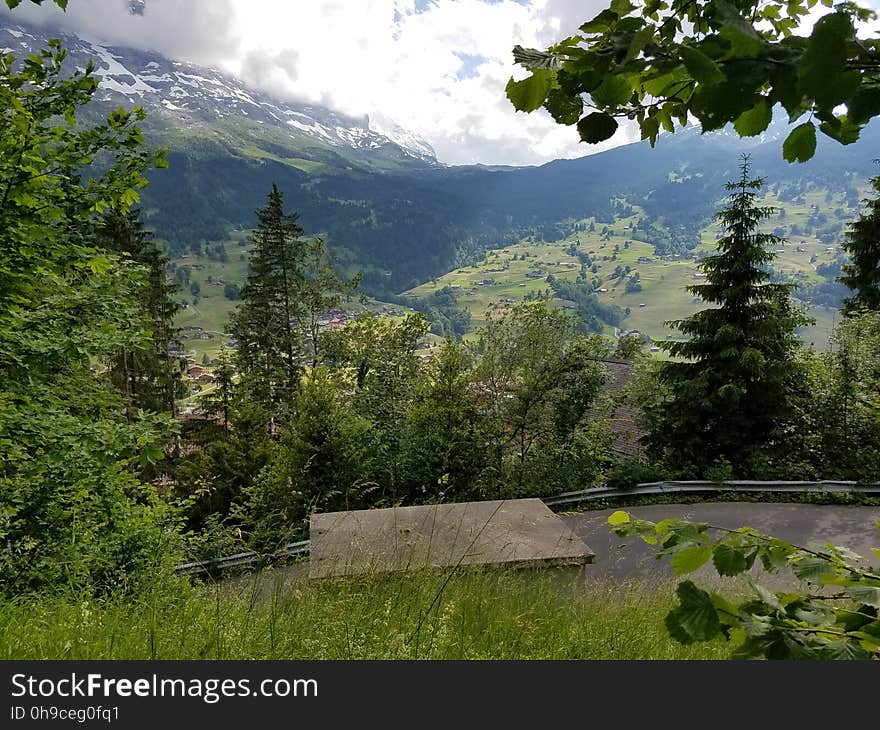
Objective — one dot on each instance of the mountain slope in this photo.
(385, 203)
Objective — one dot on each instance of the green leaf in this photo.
(736, 29)
(695, 618)
(597, 127)
(622, 7)
(613, 91)
(868, 595)
(822, 72)
(564, 108)
(641, 39)
(864, 104)
(767, 596)
(841, 129)
(800, 145)
(529, 94)
(619, 518)
(811, 569)
(842, 650)
(691, 558)
(702, 68)
(754, 121)
(728, 560)
(600, 23)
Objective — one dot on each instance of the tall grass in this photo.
(477, 615)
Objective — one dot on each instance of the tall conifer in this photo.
(266, 323)
(732, 378)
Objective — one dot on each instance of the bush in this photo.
(630, 472)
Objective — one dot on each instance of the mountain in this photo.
(181, 95)
(377, 192)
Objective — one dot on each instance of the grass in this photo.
(478, 615)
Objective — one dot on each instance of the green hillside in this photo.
(508, 275)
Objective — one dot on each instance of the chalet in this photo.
(196, 371)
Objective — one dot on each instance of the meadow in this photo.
(469, 615)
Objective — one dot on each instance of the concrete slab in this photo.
(519, 532)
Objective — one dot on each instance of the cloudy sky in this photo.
(436, 67)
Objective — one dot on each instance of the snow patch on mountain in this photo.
(184, 94)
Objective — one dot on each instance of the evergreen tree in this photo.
(147, 375)
(862, 243)
(266, 322)
(732, 384)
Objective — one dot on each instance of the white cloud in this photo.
(436, 67)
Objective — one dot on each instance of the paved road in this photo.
(802, 524)
(622, 559)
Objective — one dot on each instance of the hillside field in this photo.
(502, 278)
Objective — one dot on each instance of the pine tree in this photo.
(732, 382)
(149, 376)
(862, 243)
(265, 324)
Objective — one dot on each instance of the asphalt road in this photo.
(618, 558)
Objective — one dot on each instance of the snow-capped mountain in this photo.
(184, 94)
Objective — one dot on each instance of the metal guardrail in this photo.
(600, 493)
(296, 549)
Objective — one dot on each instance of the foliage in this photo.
(847, 408)
(321, 289)
(594, 315)
(291, 284)
(721, 62)
(731, 392)
(537, 381)
(447, 316)
(222, 463)
(862, 243)
(148, 376)
(629, 472)
(445, 430)
(319, 466)
(72, 511)
(380, 357)
(269, 344)
(15, 3)
(814, 623)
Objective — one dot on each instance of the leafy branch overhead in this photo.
(835, 618)
(721, 62)
(15, 3)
